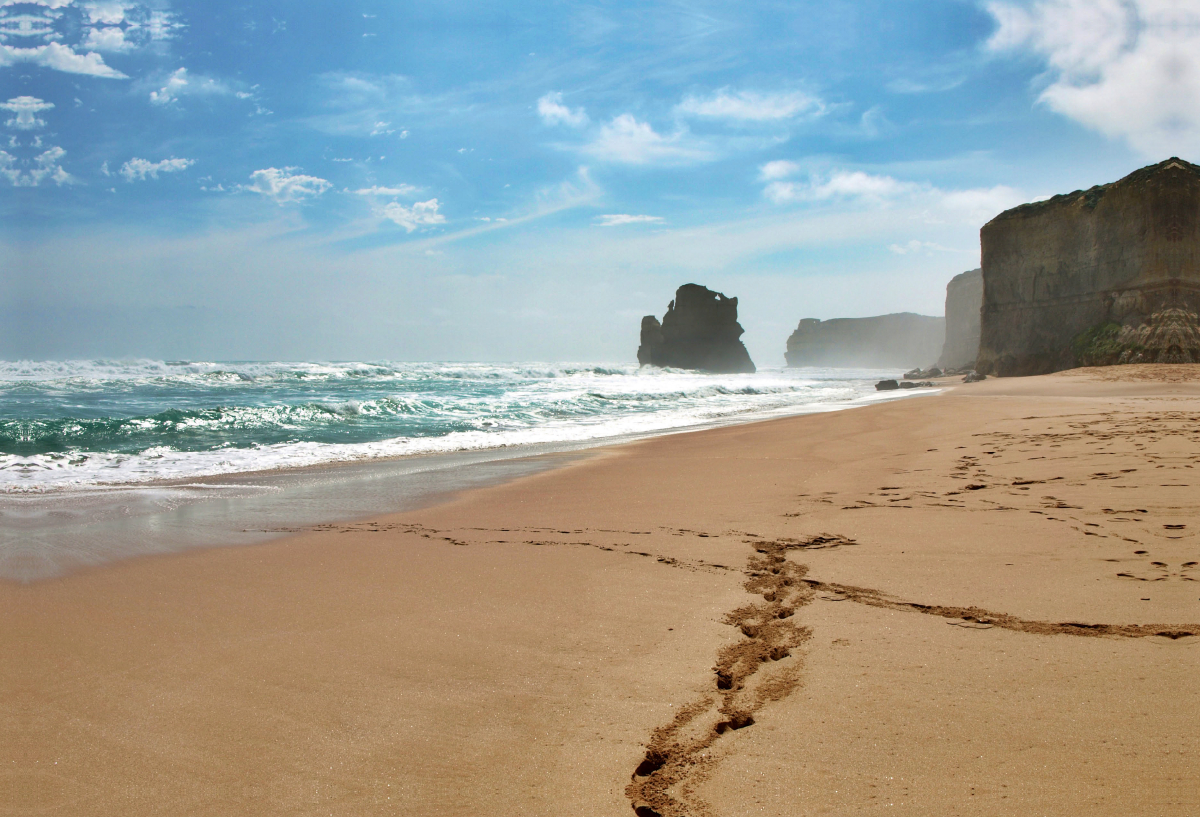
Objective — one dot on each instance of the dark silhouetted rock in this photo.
(885, 341)
(1102, 276)
(964, 298)
(974, 377)
(700, 331)
(887, 385)
(917, 374)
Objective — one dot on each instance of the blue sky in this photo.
(525, 180)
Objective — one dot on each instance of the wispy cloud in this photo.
(915, 246)
(139, 169)
(618, 219)
(181, 83)
(860, 189)
(553, 112)
(283, 185)
(363, 104)
(840, 185)
(625, 140)
(398, 190)
(752, 106)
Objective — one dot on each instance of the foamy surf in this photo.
(99, 424)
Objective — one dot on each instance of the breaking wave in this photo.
(80, 424)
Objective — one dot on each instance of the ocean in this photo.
(104, 459)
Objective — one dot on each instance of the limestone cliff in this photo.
(964, 296)
(1106, 275)
(902, 340)
(700, 331)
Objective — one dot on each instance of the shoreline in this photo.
(85, 527)
(749, 619)
(522, 449)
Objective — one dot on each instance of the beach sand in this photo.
(978, 602)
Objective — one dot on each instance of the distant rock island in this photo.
(964, 297)
(903, 339)
(1095, 277)
(700, 331)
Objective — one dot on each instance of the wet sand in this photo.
(981, 602)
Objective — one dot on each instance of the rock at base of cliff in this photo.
(700, 331)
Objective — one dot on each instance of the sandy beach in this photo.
(978, 602)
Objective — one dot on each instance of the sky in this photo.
(524, 180)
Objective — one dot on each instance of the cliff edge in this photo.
(700, 331)
(1100, 276)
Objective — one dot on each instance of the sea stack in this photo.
(1095, 277)
(964, 297)
(700, 331)
(902, 339)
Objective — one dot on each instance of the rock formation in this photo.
(1106, 275)
(700, 331)
(900, 340)
(964, 297)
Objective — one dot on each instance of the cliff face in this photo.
(700, 331)
(1107, 275)
(964, 296)
(903, 339)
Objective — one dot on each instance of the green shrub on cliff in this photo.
(1099, 346)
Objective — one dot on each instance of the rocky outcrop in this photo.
(964, 297)
(1106, 275)
(700, 331)
(903, 340)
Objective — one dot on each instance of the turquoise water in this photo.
(79, 425)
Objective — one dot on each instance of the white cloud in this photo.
(398, 190)
(625, 140)
(915, 246)
(107, 12)
(617, 219)
(8, 167)
(421, 214)
(45, 166)
(779, 169)
(181, 84)
(840, 185)
(1129, 69)
(139, 169)
(553, 112)
(975, 205)
(26, 109)
(752, 106)
(283, 186)
(982, 203)
(109, 38)
(59, 57)
(50, 4)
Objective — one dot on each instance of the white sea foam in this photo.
(155, 420)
